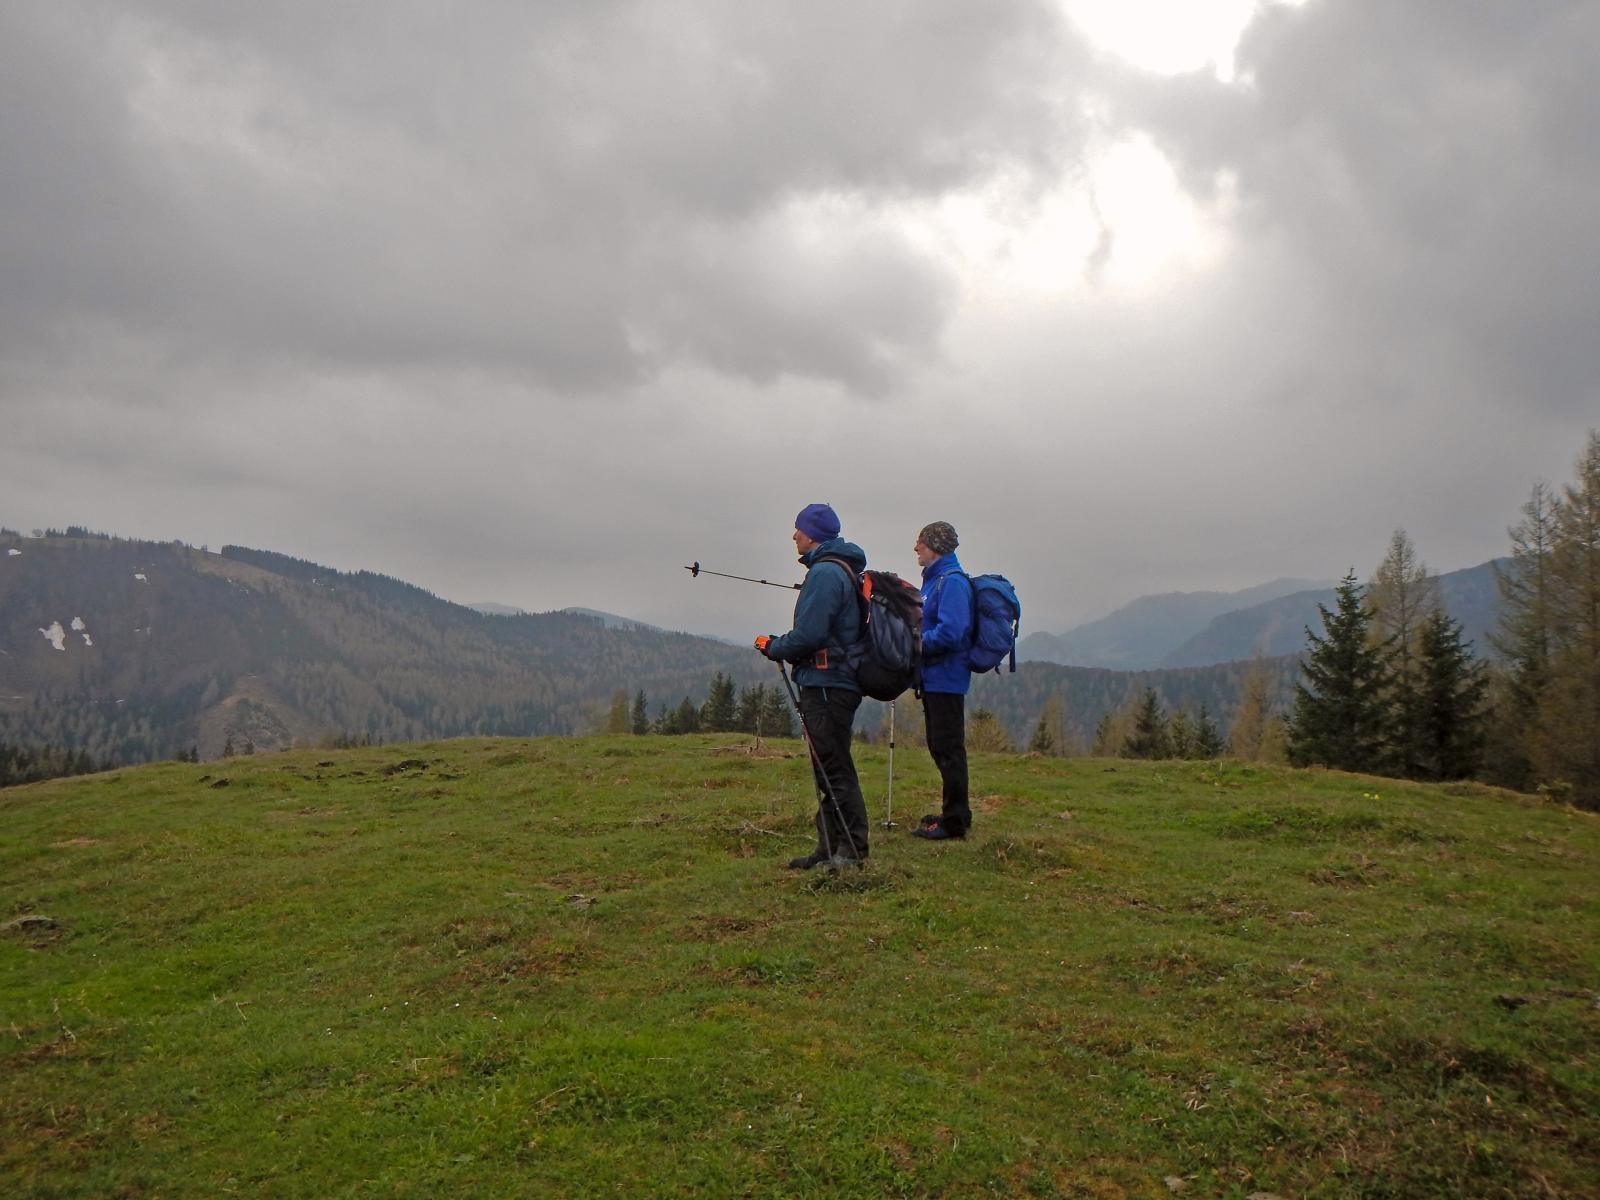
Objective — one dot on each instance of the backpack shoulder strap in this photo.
(972, 633)
(855, 581)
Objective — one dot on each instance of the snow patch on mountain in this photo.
(56, 635)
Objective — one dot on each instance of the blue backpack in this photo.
(997, 615)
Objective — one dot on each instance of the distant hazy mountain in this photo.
(1278, 627)
(611, 620)
(490, 609)
(1140, 634)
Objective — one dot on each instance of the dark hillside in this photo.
(133, 650)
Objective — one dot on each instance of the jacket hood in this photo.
(946, 564)
(837, 548)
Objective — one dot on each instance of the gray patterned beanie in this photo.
(940, 537)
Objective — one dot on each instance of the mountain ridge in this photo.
(1138, 635)
(136, 650)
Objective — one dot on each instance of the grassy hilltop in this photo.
(576, 968)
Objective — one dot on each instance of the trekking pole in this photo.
(888, 808)
(822, 772)
(696, 570)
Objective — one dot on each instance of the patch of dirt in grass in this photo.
(718, 927)
(77, 841)
(1032, 854)
(478, 933)
(525, 961)
(1360, 871)
(753, 751)
(1100, 1036)
(37, 929)
(405, 766)
(514, 758)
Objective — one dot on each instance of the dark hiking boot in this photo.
(806, 861)
(938, 833)
(928, 819)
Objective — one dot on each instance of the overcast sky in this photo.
(536, 302)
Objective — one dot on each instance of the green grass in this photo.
(577, 968)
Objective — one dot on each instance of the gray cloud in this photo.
(1424, 175)
(535, 303)
(575, 193)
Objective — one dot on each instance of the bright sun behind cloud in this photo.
(1167, 36)
(1120, 220)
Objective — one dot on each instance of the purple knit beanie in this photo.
(818, 522)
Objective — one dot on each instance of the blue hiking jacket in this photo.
(947, 626)
(827, 616)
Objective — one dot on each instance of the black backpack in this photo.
(888, 657)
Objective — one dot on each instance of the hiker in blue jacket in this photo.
(827, 621)
(947, 630)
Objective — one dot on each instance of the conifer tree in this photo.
(1340, 720)
(1254, 711)
(1451, 687)
(1043, 740)
(984, 732)
(777, 719)
(1180, 736)
(1112, 731)
(617, 720)
(720, 712)
(1402, 596)
(1523, 638)
(747, 714)
(641, 714)
(1207, 737)
(1565, 742)
(686, 718)
(1149, 738)
(1275, 741)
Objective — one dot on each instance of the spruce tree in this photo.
(1042, 741)
(777, 718)
(747, 714)
(686, 718)
(1341, 719)
(720, 712)
(1207, 737)
(1450, 730)
(1149, 738)
(641, 714)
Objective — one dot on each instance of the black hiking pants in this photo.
(830, 714)
(945, 719)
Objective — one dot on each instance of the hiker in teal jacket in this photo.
(947, 630)
(827, 621)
